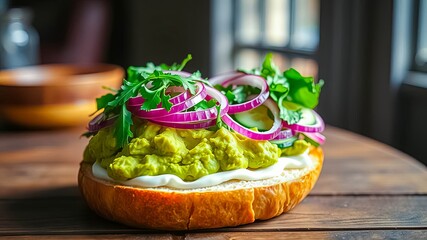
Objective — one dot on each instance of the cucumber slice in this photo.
(307, 117)
(255, 118)
(284, 143)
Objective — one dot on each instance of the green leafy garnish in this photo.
(151, 83)
(237, 94)
(103, 101)
(289, 86)
(122, 127)
(202, 105)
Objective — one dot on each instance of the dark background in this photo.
(355, 55)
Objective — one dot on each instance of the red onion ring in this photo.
(315, 136)
(268, 135)
(201, 115)
(219, 79)
(284, 134)
(252, 80)
(179, 73)
(319, 126)
(161, 112)
(187, 125)
(98, 122)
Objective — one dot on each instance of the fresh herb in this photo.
(238, 94)
(202, 105)
(289, 86)
(151, 83)
(219, 122)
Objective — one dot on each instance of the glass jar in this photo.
(19, 41)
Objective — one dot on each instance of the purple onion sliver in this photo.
(189, 125)
(219, 79)
(315, 136)
(97, 123)
(284, 134)
(251, 80)
(201, 115)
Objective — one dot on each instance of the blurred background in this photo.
(371, 54)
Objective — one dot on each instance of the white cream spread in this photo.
(169, 180)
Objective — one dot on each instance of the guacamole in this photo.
(188, 154)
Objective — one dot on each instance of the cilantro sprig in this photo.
(151, 83)
(288, 87)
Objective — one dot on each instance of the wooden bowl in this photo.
(55, 95)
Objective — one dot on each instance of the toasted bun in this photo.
(228, 204)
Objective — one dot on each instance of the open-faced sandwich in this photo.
(173, 151)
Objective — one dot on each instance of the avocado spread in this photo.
(188, 154)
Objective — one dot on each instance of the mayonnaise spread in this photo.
(169, 180)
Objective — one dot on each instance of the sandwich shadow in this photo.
(54, 211)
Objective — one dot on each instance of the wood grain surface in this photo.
(366, 190)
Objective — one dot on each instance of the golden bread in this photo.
(228, 204)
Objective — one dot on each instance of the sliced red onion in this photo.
(187, 125)
(315, 136)
(219, 79)
(319, 126)
(201, 115)
(98, 122)
(268, 135)
(180, 73)
(161, 112)
(284, 134)
(251, 80)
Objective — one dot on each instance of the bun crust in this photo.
(225, 205)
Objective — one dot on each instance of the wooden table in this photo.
(366, 190)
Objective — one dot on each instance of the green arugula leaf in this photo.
(152, 98)
(183, 63)
(122, 130)
(175, 66)
(151, 82)
(129, 89)
(102, 102)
